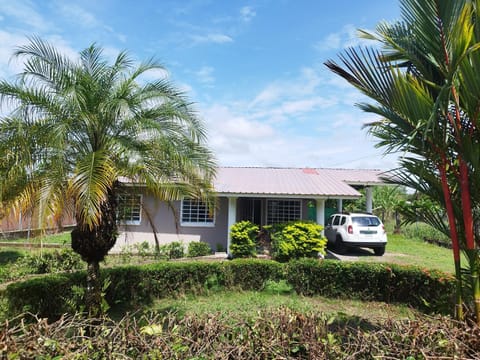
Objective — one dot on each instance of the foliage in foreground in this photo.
(279, 334)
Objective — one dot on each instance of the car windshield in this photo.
(366, 220)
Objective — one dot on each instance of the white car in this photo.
(356, 230)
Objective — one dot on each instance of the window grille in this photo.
(196, 213)
(280, 211)
(129, 209)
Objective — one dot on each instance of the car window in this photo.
(344, 219)
(366, 220)
(336, 221)
(329, 221)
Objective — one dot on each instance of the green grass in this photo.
(247, 304)
(61, 238)
(402, 250)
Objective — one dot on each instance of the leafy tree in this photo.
(425, 81)
(79, 131)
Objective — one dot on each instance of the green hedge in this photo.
(426, 290)
(48, 296)
(52, 295)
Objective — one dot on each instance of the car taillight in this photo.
(350, 229)
(383, 228)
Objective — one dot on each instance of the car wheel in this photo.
(340, 246)
(379, 251)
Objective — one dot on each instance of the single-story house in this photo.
(261, 195)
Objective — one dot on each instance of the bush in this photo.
(173, 250)
(48, 296)
(198, 248)
(427, 233)
(430, 291)
(53, 295)
(49, 262)
(243, 236)
(251, 274)
(298, 240)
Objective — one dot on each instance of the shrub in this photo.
(198, 248)
(298, 240)
(243, 236)
(49, 262)
(52, 295)
(48, 296)
(173, 250)
(251, 274)
(430, 291)
(427, 233)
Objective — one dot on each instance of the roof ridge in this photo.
(295, 168)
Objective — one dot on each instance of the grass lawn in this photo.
(61, 238)
(402, 250)
(248, 304)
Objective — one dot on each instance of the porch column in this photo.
(339, 205)
(321, 212)
(232, 218)
(369, 198)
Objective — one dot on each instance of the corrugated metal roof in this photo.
(293, 181)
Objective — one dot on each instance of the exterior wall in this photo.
(165, 221)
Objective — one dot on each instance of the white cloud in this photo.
(8, 43)
(346, 37)
(215, 38)
(247, 13)
(25, 12)
(304, 84)
(76, 14)
(205, 75)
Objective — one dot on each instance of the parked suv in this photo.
(356, 230)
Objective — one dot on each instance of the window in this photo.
(366, 220)
(280, 211)
(196, 213)
(129, 210)
(336, 221)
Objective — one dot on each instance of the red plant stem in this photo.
(450, 213)
(466, 206)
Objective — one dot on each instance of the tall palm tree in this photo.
(425, 84)
(79, 130)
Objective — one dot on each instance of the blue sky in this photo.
(254, 69)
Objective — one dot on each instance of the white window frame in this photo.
(196, 223)
(271, 220)
(139, 205)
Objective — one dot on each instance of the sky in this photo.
(254, 70)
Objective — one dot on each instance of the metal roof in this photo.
(293, 181)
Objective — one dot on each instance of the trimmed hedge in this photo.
(52, 295)
(426, 290)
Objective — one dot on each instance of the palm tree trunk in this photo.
(455, 243)
(93, 244)
(93, 295)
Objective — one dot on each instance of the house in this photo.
(261, 195)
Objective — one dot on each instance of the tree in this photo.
(79, 132)
(425, 82)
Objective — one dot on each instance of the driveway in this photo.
(355, 254)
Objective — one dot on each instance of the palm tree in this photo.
(79, 130)
(425, 82)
